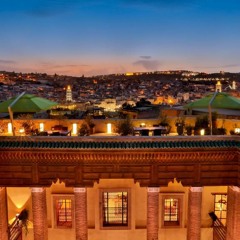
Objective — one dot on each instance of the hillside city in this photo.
(110, 92)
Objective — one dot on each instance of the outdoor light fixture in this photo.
(21, 130)
(9, 127)
(74, 129)
(202, 132)
(237, 130)
(109, 128)
(41, 127)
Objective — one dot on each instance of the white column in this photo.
(81, 213)
(39, 209)
(3, 214)
(152, 213)
(194, 213)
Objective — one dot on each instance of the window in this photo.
(220, 206)
(115, 212)
(63, 211)
(172, 209)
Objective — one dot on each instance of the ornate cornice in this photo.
(153, 162)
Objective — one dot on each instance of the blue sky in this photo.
(91, 37)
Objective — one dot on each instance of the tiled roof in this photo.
(119, 145)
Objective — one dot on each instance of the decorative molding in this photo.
(235, 188)
(195, 189)
(79, 190)
(153, 189)
(37, 190)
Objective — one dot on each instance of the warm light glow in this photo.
(237, 130)
(74, 129)
(129, 74)
(9, 128)
(41, 127)
(19, 196)
(21, 130)
(202, 132)
(68, 87)
(109, 128)
(142, 125)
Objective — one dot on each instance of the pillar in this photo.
(233, 213)
(194, 213)
(81, 213)
(152, 213)
(39, 209)
(3, 214)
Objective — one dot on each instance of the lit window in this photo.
(115, 208)
(63, 211)
(172, 209)
(220, 206)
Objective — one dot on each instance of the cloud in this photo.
(148, 64)
(48, 8)
(161, 3)
(145, 57)
(2, 61)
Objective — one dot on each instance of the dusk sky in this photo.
(92, 37)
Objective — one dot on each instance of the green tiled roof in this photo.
(119, 145)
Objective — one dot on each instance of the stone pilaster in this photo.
(3, 214)
(233, 213)
(39, 209)
(81, 225)
(152, 213)
(194, 213)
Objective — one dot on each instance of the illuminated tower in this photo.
(234, 85)
(69, 94)
(218, 87)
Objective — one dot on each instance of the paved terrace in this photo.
(151, 161)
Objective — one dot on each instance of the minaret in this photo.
(234, 85)
(69, 94)
(218, 87)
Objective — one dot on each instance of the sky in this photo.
(94, 37)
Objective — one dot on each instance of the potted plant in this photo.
(24, 221)
(189, 129)
(180, 123)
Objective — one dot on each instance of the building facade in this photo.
(120, 187)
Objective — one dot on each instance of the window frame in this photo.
(114, 227)
(180, 197)
(222, 219)
(56, 197)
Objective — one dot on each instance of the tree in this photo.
(125, 127)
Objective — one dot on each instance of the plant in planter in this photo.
(180, 124)
(189, 129)
(124, 127)
(23, 218)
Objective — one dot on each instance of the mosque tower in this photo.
(69, 94)
(234, 85)
(218, 86)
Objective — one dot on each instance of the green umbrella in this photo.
(27, 103)
(221, 101)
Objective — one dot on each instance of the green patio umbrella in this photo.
(25, 103)
(221, 101)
